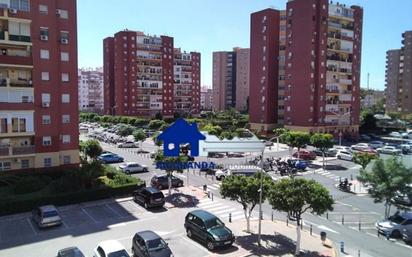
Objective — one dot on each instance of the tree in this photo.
(125, 130)
(245, 190)
(159, 157)
(92, 149)
(395, 115)
(386, 180)
(156, 124)
(296, 139)
(139, 135)
(323, 142)
(155, 140)
(213, 129)
(363, 159)
(368, 121)
(296, 196)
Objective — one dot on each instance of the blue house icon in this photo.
(181, 132)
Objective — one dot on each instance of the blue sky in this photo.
(219, 25)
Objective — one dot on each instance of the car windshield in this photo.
(157, 195)
(213, 223)
(397, 219)
(49, 214)
(72, 253)
(121, 253)
(156, 244)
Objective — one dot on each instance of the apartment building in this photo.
(38, 85)
(231, 79)
(206, 99)
(399, 77)
(320, 67)
(90, 83)
(145, 75)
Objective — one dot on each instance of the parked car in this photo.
(305, 155)
(267, 143)
(208, 228)
(128, 144)
(110, 158)
(376, 144)
(395, 134)
(208, 171)
(405, 148)
(235, 155)
(360, 147)
(110, 248)
(389, 150)
(407, 236)
(46, 216)
(370, 151)
(161, 182)
(331, 152)
(365, 137)
(221, 174)
(149, 197)
(132, 167)
(215, 155)
(395, 224)
(149, 244)
(344, 155)
(343, 148)
(70, 252)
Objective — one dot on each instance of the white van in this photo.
(241, 171)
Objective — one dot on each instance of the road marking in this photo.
(31, 226)
(180, 175)
(224, 211)
(194, 243)
(327, 229)
(220, 207)
(117, 225)
(113, 210)
(84, 210)
(374, 235)
(407, 246)
(352, 212)
(163, 233)
(212, 187)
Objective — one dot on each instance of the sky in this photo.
(219, 25)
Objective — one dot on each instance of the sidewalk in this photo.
(278, 239)
(183, 197)
(358, 188)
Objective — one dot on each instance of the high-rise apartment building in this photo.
(206, 99)
(145, 75)
(231, 79)
(306, 64)
(91, 90)
(38, 85)
(399, 77)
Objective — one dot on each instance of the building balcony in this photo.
(16, 60)
(332, 90)
(15, 151)
(20, 38)
(345, 81)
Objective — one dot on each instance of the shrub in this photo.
(65, 184)
(31, 184)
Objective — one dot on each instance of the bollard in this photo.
(230, 217)
(340, 179)
(272, 215)
(351, 177)
(301, 225)
(287, 222)
(327, 215)
(342, 246)
(343, 219)
(212, 196)
(310, 229)
(194, 172)
(208, 194)
(359, 226)
(358, 253)
(354, 188)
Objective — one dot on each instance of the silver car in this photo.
(131, 167)
(46, 216)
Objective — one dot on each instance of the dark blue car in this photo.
(110, 158)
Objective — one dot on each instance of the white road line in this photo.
(374, 235)
(117, 225)
(205, 205)
(407, 246)
(212, 187)
(224, 211)
(113, 210)
(216, 208)
(351, 212)
(95, 221)
(184, 237)
(180, 175)
(135, 206)
(31, 226)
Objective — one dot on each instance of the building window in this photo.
(64, 56)
(5, 166)
(22, 5)
(46, 119)
(45, 99)
(25, 164)
(47, 141)
(64, 14)
(66, 159)
(47, 162)
(44, 32)
(44, 54)
(66, 139)
(3, 125)
(66, 118)
(18, 125)
(64, 37)
(43, 9)
(45, 76)
(65, 77)
(65, 98)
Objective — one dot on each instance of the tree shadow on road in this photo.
(181, 200)
(327, 166)
(272, 245)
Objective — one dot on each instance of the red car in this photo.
(305, 155)
(370, 151)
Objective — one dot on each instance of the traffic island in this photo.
(278, 239)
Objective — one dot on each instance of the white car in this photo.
(360, 147)
(389, 150)
(344, 155)
(131, 167)
(395, 224)
(376, 144)
(342, 148)
(128, 144)
(110, 248)
(395, 134)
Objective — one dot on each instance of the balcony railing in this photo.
(2, 37)
(4, 151)
(332, 90)
(20, 38)
(23, 150)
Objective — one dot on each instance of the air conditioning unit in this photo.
(58, 12)
(12, 10)
(64, 41)
(44, 37)
(17, 160)
(45, 104)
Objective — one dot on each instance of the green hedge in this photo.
(23, 205)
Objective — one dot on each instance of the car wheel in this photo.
(210, 246)
(144, 169)
(180, 184)
(127, 172)
(339, 157)
(189, 233)
(160, 187)
(396, 234)
(146, 206)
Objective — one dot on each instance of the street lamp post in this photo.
(261, 193)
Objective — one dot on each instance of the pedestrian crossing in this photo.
(222, 210)
(328, 175)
